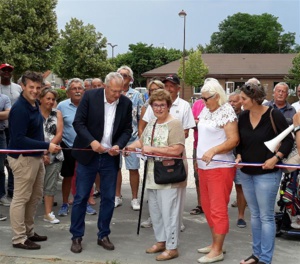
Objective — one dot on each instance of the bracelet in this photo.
(296, 129)
(279, 159)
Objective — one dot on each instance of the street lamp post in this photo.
(112, 48)
(183, 14)
(279, 44)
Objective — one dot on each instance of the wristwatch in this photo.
(296, 129)
(278, 157)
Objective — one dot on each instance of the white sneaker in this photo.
(51, 218)
(135, 204)
(118, 201)
(182, 227)
(147, 223)
(4, 201)
(296, 224)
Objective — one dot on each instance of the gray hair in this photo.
(214, 87)
(88, 80)
(127, 68)
(76, 80)
(281, 84)
(113, 76)
(236, 92)
(254, 81)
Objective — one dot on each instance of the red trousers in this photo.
(215, 189)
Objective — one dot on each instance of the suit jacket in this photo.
(89, 124)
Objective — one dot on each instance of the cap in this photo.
(172, 78)
(6, 65)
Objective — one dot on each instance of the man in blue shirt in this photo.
(132, 162)
(26, 133)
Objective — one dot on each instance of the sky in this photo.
(157, 22)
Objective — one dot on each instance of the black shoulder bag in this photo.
(168, 170)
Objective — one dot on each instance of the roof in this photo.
(236, 64)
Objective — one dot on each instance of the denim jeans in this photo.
(107, 166)
(260, 192)
(2, 159)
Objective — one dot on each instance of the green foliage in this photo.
(195, 70)
(294, 72)
(28, 31)
(62, 95)
(81, 52)
(245, 33)
(142, 58)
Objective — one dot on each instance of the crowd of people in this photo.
(84, 137)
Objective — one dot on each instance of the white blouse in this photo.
(211, 133)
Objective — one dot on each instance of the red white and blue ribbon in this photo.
(248, 164)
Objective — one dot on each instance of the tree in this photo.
(294, 73)
(195, 70)
(28, 31)
(82, 52)
(245, 33)
(143, 57)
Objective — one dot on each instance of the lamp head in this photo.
(182, 13)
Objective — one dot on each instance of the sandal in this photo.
(196, 211)
(252, 257)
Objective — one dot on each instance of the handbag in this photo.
(293, 157)
(168, 170)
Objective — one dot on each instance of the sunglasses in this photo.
(206, 99)
(124, 75)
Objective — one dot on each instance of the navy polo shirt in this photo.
(26, 128)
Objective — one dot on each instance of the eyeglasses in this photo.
(281, 91)
(124, 75)
(206, 99)
(161, 106)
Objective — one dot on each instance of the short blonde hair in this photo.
(213, 87)
(159, 83)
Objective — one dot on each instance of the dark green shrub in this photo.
(62, 95)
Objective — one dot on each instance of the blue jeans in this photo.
(107, 166)
(2, 159)
(260, 192)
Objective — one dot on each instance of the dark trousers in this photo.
(10, 182)
(2, 159)
(107, 166)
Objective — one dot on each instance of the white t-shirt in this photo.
(211, 133)
(180, 110)
(296, 105)
(13, 91)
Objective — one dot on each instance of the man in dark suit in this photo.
(103, 125)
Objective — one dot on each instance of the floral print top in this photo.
(166, 134)
(50, 124)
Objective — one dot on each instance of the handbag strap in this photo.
(153, 129)
(272, 122)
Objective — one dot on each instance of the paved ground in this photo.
(130, 248)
